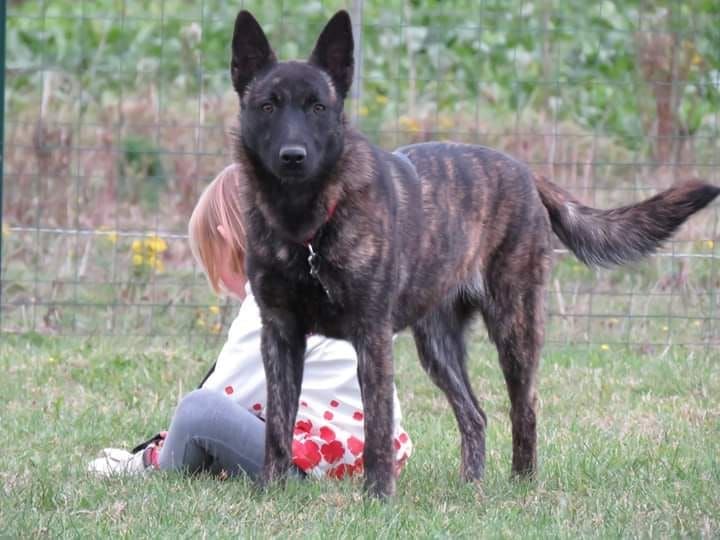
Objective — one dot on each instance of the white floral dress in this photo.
(328, 438)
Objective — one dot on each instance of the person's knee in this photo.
(196, 406)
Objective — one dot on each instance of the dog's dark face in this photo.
(292, 112)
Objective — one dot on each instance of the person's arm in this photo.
(239, 371)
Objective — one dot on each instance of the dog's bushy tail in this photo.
(621, 235)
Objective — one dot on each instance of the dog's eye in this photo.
(318, 107)
(267, 107)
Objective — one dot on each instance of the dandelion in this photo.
(665, 328)
(697, 323)
(216, 328)
(381, 100)
(215, 310)
(137, 259)
(52, 360)
(200, 322)
(605, 347)
(709, 244)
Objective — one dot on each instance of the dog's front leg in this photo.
(375, 374)
(283, 353)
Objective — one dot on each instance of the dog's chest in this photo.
(302, 281)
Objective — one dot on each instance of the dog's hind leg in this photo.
(439, 338)
(514, 319)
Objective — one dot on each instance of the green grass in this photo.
(629, 447)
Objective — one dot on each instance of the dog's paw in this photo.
(380, 488)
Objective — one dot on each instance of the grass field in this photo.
(629, 447)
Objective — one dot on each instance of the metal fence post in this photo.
(357, 12)
(3, 22)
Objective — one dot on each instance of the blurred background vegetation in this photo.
(118, 112)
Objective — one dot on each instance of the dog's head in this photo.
(292, 112)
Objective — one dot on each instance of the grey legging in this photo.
(212, 433)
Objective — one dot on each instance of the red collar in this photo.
(330, 214)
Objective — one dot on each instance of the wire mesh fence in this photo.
(118, 113)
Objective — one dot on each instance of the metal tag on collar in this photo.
(313, 261)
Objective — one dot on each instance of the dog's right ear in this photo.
(251, 52)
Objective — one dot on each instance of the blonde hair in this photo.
(218, 205)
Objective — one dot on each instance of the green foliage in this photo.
(141, 172)
(576, 61)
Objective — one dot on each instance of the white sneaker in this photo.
(115, 461)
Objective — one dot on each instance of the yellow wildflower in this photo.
(214, 310)
(155, 243)
(409, 124)
(605, 347)
(5, 230)
(363, 110)
(216, 328)
(381, 100)
(147, 253)
(709, 244)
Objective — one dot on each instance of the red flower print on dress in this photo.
(303, 404)
(334, 403)
(403, 437)
(303, 426)
(339, 471)
(305, 454)
(327, 434)
(327, 415)
(357, 415)
(332, 451)
(355, 445)
(400, 463)
(257, 407)
(359, 465)
(396, 444)
(229, 390)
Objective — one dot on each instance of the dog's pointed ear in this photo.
(334, 51)
(251, 52)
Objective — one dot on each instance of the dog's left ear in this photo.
(334, 51)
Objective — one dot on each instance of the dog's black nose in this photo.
(292, 155)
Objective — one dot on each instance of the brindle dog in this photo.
(353, 242)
